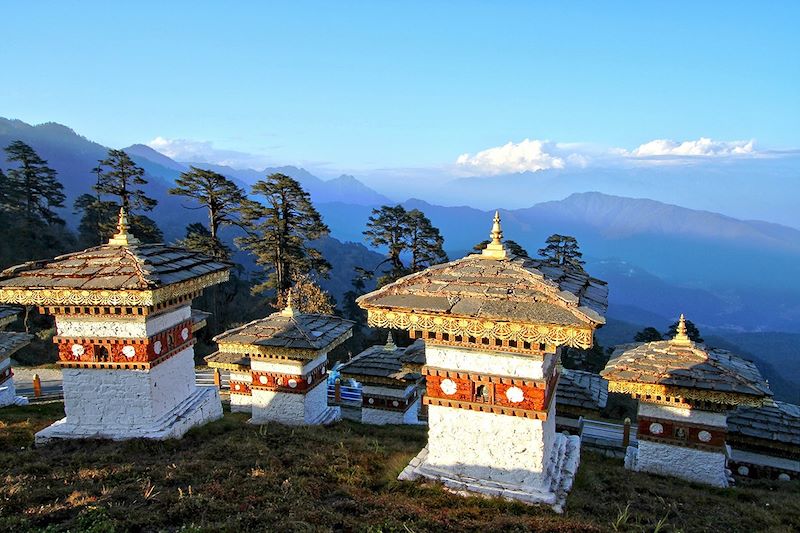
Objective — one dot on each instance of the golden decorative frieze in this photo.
(655, 391)
(112, 298)
(548, 334)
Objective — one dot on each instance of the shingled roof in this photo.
(11, 342)
(774, 421)
(685, 364)
(290, 329)
(578, 388)
(123, 264)
(494, 285)
(386, 362)
(7, 315)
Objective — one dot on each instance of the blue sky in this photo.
(360, 86)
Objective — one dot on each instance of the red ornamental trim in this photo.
(686, 434)
(240, 387)
(488, 393)
(388, 404)
(118, 350)
(295, 383)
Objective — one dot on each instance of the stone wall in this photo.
(686, 463)
(381, 417)
(286, 366)
(693, 416)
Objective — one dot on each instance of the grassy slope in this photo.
(233, 476)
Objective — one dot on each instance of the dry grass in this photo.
(231, 476)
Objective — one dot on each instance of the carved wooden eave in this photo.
(110, 298)
(666, 395)
(575, 336)
(254, 351)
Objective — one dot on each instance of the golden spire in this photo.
(122, 237)
(289, 310)
(680, 334)
(390, 345)
(495, 249)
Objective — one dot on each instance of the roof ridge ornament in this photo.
(289, 310)
(390, 345)
(495, 249)
(681, 336)
(122, 237)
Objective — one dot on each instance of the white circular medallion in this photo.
(310, 379)
(157, 347)
(237, 387)
(395, 404)
(292, 383)
(78, 350)
(371, 400)
(262, 379)
(743, 470)
(129, 352)
(784, 477)
(704, 436)
(448, 386)
(515, 395)
(185, 333)
(656, 428)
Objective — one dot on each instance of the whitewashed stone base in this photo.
(700, 466)
(293, 408)
(563, 464)
(380, 417)
(241, 403)
(8, 395)
(202, 406)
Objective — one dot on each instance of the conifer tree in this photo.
(119, 176)
(424, 241)
(220, 196)
(388, 226)
(198, 237)
(307, 297)
(648, 334)
(562, 250)
(95, 226)
(33, 188)
(279, 231)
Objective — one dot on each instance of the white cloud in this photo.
(534, 155)
(703, 147)
(528, 155)
(191, 151)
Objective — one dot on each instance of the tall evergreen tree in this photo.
(96, 225)
(388, 226)
(33, 187)
(424, 241)
(120, 177)
(219, 195)
(648, 334)
(279, 231)
(562, 250)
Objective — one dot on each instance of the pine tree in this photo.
(279, 232)
(119, 176)
(648, 334)
(424, 241)
(96, 225)
(691, 331)
(388, 226)
(198, 237)
(562, 250)
(219, 195)
(512, 247)
(33, 188)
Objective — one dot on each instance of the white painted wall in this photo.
(316, 402)
(686, 463)
(241, 403)
(381, 417)
(286, 366)
(499, 363)
(8, 393)
(411, 416)
(116, 399)
(693, 416)
(273, 406)
(138, 327)
(506, 449)
(5, 363)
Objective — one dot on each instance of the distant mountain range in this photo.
(731, 277)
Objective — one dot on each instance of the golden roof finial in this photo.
(390, 345)
(122, 237)
(495, 249)
(289, 310)
(680, 334)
